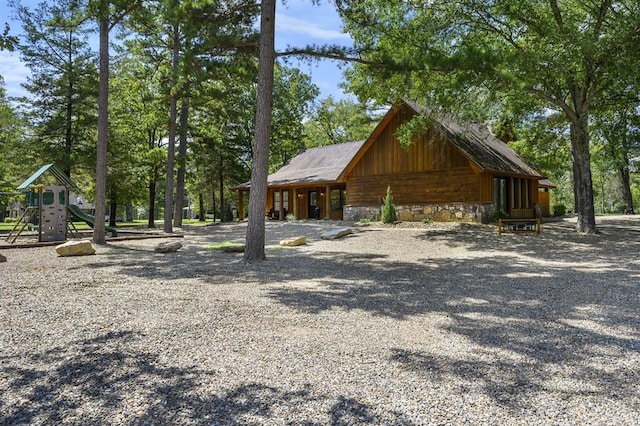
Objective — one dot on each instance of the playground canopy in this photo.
(58, 174)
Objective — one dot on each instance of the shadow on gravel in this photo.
(108, 380)
(532, 297)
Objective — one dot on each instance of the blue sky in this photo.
(298, 23)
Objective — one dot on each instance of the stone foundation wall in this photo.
(454, 212)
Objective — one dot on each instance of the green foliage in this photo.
(63, 83)
(227, 215)
(488, 58)
(501, 215)
(291, 217)
(388, 208)
(7, 42)
(412, 129)
(426, 220)
(293, 94)
(559, 210)
(340, 121)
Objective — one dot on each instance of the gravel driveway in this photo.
(440, 324)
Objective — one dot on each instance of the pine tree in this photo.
(388, 208)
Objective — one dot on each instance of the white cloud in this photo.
(13, 72)
(295, 25)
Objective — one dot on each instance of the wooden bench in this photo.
(519, 225)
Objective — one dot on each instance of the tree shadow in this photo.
(108, 379)
(533, 297)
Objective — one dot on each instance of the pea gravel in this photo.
(404, 325)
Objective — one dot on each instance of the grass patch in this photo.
(220, 246)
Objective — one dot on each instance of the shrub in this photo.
(426, 220)
(227, 214)
(291, 217)
(389, 209)
(501, 214)
(559, 210)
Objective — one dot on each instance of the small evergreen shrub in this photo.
(559, 210)
(502, 215)
(388, 208)
(291, 217)
(227, 215)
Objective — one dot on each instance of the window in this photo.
(520, 194)
(285, 201)
(276, 201)
(500, 194)
(338, 198)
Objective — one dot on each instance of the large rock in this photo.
(295, 241)
(170, 247)
(3, 258)
(75, 248)
(334, 234)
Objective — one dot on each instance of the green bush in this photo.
(227, 214)
(559, 210)
(291, 217)
(501, 215)
(389, 209)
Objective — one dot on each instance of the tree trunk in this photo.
(203, 213)
(182, 155)
(626, 186)
(103, 126)
(213, 200)
(582, 179)
(255, 240)
(171, 147)
(151, 223)
(66, 167)
(221, 189)
(128, 212)
(113, 207)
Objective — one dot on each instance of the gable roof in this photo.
(58, 174)
(315, 165)
(332, 163)
(479, 145)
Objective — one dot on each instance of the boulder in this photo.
(75, 248)
(295, 241)
(235, 248)
(3, 258)
(170, 247)
(334, 234)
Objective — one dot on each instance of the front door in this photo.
(314, 210)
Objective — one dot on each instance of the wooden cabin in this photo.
(453, 172)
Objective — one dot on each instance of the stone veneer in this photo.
(452, 212)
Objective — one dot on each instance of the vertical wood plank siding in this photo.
(429, 170)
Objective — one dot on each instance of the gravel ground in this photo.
(434, 324)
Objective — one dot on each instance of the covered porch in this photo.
(303, 202)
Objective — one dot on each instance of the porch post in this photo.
(295, 203)
(281, 212)
(327, 201)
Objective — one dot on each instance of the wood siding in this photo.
(430, 170)
(386, 156)
(444, 186)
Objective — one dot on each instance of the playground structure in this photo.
(48, 209)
